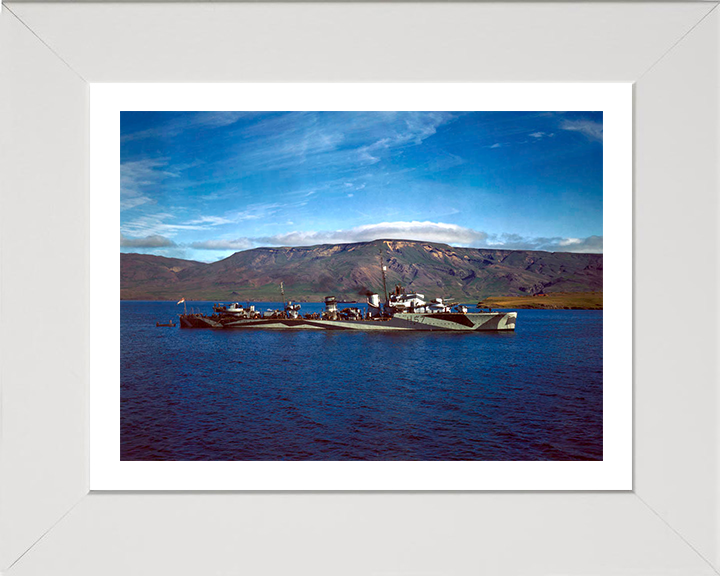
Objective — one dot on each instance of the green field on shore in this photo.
(558, 301)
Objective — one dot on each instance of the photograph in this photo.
(361, 286)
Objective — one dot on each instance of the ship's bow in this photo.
(494, 320)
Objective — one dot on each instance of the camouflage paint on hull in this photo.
(481, 321)
(198, 321)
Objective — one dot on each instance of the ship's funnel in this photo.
(330, 304)
(374, 300)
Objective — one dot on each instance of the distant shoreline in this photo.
(556, 301)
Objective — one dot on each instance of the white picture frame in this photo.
(109, 472)
(49, 53)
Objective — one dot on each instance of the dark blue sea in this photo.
(535, 394)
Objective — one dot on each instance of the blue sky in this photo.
(203, 185)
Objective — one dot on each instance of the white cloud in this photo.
(153, 224)
(427, 231)
(589, 128)
(211, 220)
(237, 244)
(154, 241)
(252, 212)
(138, 176)
(308, 139)
(422, 125)
(590, 245)
(443, 161)
(537, 134)
(420, 231)
(263, 210)
(496, 145)
(569, 241)
(197, 120)
(141, 179)
(127, 201)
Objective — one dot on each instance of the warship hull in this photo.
(451, 321)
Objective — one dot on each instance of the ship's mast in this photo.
(282, 292)
(382, 269)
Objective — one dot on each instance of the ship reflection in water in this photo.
(530, 394)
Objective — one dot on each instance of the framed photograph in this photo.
(123, 152)
(330, 227)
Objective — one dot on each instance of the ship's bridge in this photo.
(413, 300)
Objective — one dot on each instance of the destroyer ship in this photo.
(400, 311)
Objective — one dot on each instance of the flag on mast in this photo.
(181, 301)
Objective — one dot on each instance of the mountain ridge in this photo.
(352, 270)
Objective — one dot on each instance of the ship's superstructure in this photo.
(403, 311)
